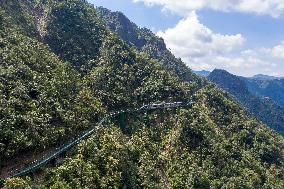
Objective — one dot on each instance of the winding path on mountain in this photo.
(59, 151)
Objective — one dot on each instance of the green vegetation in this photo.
(273, 88)
(145, 41)
(42, 98)
(74, 32)
(266, 111)
(57, 83)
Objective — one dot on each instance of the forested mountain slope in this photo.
(42, 97)
(264, 109)
(64, 69)
(272, 88)
(109, 77)
(145, 41)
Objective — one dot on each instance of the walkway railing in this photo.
(39, 163)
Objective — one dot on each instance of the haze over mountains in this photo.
(272, 88)
(252, 90)
(262, 95)
(260, 85)
(202, 73)
(266, 77)
(255, 96)
(255, 77)
(65, 64)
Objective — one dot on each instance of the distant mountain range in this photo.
(148, 43)
(260, 85)
(203, 73)
(65, 65)
(265, 77)
(263, 98)
(274, 89)
(255, 77)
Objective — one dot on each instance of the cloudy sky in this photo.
(245, 37)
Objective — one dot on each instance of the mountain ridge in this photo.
(145, 41)
(265, 77)
(264, 109)
(212, 144)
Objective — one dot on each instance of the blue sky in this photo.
(143, 16)
(243, 38)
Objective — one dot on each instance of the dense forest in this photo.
(245, 91)
(272, 88)
(62, 68)
(145, 41)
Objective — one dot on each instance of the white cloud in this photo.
(190, 38)
(240, 64)
(203, 49)
(274, 8)
(276, 51)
